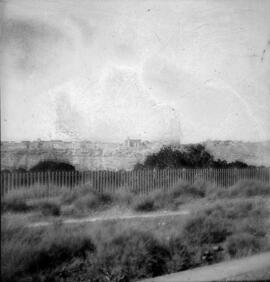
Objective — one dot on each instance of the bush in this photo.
(123, 196)
(130, 256)
(52, 165)
(93, 201)
(197, 190)
(48, 208)
(232, 224)
(180, 255)
(59, 248)
(190, 156)
(249, 188)
(70, 196)
(238, 209)
(242, 189)
(33, 192)
(159, 199)
(203, 229)
(28, 252)
(254, 226)
(12, 204)
(144, 204)
(243, 244)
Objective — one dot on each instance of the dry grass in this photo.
(130, 250)
(84, 200)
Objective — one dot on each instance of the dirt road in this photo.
(218, 271)
(110, 218)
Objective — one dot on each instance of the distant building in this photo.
(56, 144)
(133, 143)
(26, 144)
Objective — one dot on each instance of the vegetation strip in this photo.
(227, 224)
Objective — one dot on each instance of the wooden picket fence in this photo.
(142, 181)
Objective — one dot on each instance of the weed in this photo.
(48, 208)
(130, 256)
(144, 204)
(14, 205)
(243, 244)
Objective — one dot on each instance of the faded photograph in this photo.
(135, 140)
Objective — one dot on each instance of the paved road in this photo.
(109, 218)
(218, 271)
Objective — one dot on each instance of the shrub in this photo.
(233, 224)
(238, 209)
(242, 189)
(27, 252)
(252, 225)
(180, 255)
(144, 204)
(190, 156)
(180, 193)
(12, 204)
(70, 196)
(196, 190)
(52, 165)
(60, 247)
(93, 201)
(186, 189)
(130, 256)
(48, 208)
(123, 196)
(203, 229)
(34, 192)
(243, 244)
(249, 188)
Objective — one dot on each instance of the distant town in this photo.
(83, 154)
(87, 155)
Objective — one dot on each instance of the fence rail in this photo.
(143, 181)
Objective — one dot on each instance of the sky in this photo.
(105, 70)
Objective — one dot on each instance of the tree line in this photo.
(194, 156)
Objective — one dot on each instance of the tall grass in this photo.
(243, 188)
(27, 252)
(85, 200)
(113, 252)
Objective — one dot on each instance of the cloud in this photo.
(31, 44)
(86, 30)
(69, 121)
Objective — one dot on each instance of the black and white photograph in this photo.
(135, 140)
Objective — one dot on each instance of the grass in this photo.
(131, 250)
(248, 188)
(27, 252)
(70, 196)
(243, 188)
(130, 256)
(243, 244)
(84, 200)
(14, 205)
(235, 220)
(179, 194)
(92, 201)
(239, 226)
(49, 208)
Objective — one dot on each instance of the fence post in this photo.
(48, 183)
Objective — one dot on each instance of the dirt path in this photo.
(110, 218)
(218, 271)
